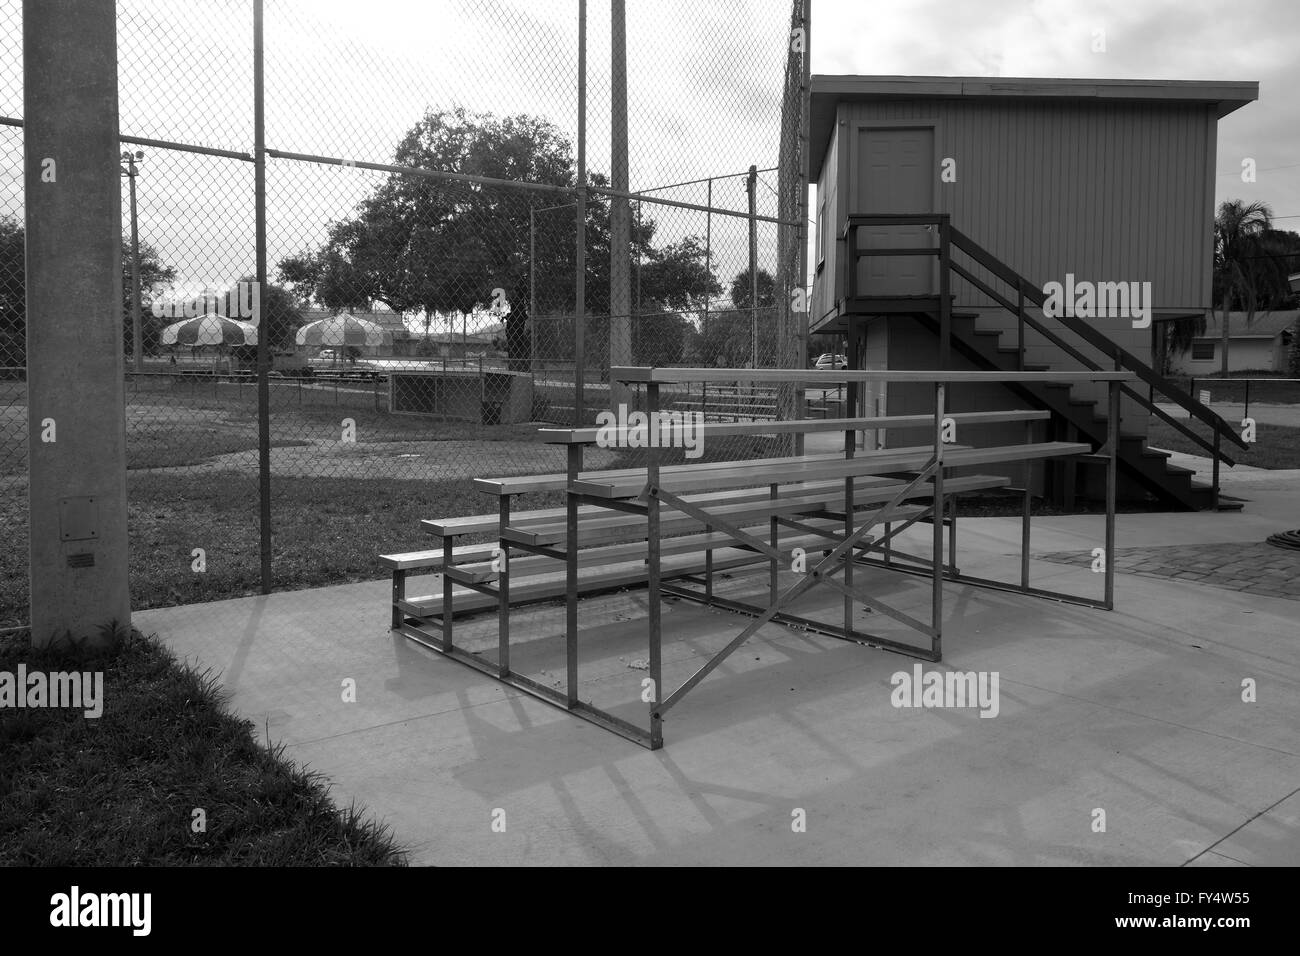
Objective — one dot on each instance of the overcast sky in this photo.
(346, 79)
(1256, 40)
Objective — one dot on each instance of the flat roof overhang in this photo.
(828, 91)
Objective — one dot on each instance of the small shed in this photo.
(1258, 343)
(958, 217)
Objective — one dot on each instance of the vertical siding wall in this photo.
(1109, 191)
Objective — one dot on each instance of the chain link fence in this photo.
(424, 169)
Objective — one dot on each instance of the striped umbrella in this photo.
(343, 329)
(210, 330)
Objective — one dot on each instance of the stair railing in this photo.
(1027, 292)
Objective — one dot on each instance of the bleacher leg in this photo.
(447, 611)
(571, 577)
(503, 593)
(773, 525)
(936, 518)
(652, 536)
(399, 594)
(952, 534)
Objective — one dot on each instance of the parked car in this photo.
(826, 362)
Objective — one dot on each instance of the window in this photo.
(821, 233)
(1202, 351)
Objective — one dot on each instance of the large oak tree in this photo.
(422, 244)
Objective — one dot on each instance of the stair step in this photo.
(1123, 436)
(1169, 482)
(1206, 494)
(1168, 469)
(1012, 350)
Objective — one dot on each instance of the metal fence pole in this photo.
(580, 292)
(752, 186)
(137, 346)
(804, 317)
(532, 293)
(620, 212)
(704, 325)
(263, 349)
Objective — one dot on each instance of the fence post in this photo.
(620, 213)
(580, 269)
(752, 186)
(263, 347)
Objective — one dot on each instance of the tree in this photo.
(1276, 256)
(1239, 228)
(741, 288)
(728, 339)
(661, 337)
(282, 316)
(676, 276)
(434, 246)
(421, 244)
(153, 275)
(13, 293)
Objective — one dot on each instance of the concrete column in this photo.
(75, 370)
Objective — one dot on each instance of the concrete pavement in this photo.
(1138, 713)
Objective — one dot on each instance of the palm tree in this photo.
(1238, 228)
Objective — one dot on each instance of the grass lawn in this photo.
(375, 425)
(327, 531)
(185, 430)
(163, 447)
(1276, 446)
(123, 788)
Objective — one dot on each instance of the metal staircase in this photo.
(1074, 418)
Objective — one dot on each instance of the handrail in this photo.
(653, 374)
(1093, 337)
(1177, 425)
(1079, 356)
(894, 219)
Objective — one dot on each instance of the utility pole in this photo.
(76, 401)
(137, 338)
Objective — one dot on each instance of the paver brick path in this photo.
(1256, 568)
